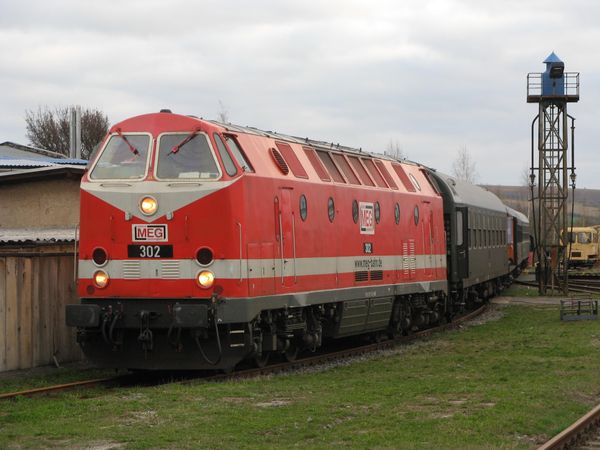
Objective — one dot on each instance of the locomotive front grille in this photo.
(132, 270)
(170, 269)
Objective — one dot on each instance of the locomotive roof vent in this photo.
(279, 161)
(165, 110)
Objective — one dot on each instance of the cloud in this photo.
(434, 75)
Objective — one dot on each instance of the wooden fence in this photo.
(35, 285)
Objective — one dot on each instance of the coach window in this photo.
(377, 212)
(227, 161)
(331, 209)
(355, 211)
(416, 214)
(186, 156)
(397, 213)
(238, 153)
(303, 207)
(125, 156)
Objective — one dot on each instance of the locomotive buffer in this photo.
(552, 90)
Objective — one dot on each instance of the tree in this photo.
(223, 114)
(49, 129)
(463, 167)
(394, 149)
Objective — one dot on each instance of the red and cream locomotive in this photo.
(203, 244)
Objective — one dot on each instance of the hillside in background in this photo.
(587, 202)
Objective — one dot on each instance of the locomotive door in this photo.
(427, 239)
(286, 238)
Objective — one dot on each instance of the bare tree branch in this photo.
(394, 149)
(463, 167)
(223, 114)
(49, 129)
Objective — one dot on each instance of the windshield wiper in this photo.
(191, 136)
(131, 147)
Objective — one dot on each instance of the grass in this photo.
(519, 290)
(509, 383)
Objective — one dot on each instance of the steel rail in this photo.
(576, 434)
(60, 387)
(573, 287)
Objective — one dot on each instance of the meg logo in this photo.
(367, 218)
(149, 233)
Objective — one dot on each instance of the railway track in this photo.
(583, 434)
(310, 360)
(584, 287)
(60, 387)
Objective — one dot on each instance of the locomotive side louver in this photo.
(279, 161)
(362, 275)
(377, 275)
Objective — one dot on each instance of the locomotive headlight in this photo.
(148, 205)
(205, 279)
(100, 279)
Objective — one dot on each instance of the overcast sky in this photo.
(433, 76)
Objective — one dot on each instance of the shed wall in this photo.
(43, 203)
(35, 286)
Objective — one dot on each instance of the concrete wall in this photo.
(40, 204)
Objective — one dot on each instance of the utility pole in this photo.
(75, 132)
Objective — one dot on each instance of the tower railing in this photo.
(534, 88)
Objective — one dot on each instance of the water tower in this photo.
(552, 90)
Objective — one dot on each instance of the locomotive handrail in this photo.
(281, 249)
(241, 251)
(75, 254)
(294, 244)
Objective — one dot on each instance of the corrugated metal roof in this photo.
(26, 151)
(13, 162)
(36, 235)
(16, 174)
(39, 162)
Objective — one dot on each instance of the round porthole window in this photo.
(331, 209)
(303, 207)
(355, 211)
(397, 213)
(377, 212)
(416, 215)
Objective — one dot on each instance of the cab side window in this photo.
(238, 153)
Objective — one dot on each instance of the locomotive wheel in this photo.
(261, 360)
(291, 353)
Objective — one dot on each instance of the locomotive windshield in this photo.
(187, 157)
(125, 156)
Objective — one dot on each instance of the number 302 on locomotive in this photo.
(149, 251)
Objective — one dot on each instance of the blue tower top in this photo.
(552, 58)
(553, 79)
(553, 85)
